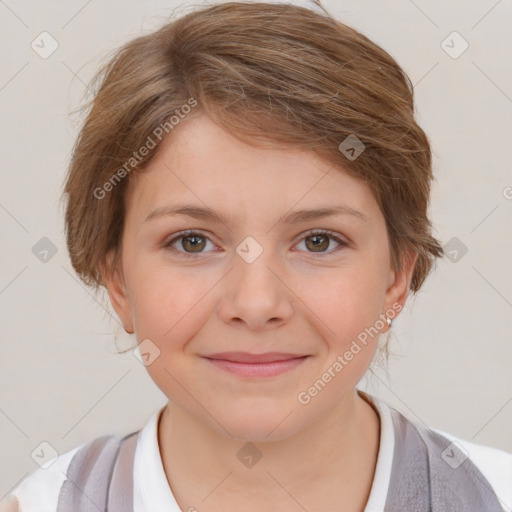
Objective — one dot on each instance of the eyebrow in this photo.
(205, 213)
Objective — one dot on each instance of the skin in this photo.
(9, 504)
(292, 298)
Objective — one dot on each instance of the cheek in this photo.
(168, 311)
(347, 316)
(168, 304)
(350, 301)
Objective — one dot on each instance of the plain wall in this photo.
(61, 379)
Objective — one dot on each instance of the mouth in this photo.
(245, 364)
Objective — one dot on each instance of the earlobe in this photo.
(116, 287)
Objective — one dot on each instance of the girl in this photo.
(251, 188)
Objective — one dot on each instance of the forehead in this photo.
(201, 163)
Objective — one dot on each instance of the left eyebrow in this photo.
(205, 213)
(318, 213)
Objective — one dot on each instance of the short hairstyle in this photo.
(265, 72)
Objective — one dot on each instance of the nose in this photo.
(256, 295)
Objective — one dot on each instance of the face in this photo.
(261, 278)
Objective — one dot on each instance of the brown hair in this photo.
(265, 72)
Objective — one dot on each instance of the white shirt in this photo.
(39, 492)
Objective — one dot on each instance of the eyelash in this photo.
(313, 232)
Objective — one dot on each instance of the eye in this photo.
(319, 240)
(190, 241)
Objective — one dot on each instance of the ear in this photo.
(115, 284)
(399, 283)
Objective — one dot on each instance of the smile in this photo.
(257, 369)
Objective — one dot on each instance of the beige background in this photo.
(61, 381)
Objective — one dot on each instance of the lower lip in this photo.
(257, 369)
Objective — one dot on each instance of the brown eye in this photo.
(188, 244)
(319, 242)
(193, 243)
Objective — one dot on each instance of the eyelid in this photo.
(340, 239)
(183, 234)
(333, 235)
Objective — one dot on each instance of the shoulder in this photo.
(493, 463)
(39, 492)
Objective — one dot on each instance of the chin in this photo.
(257, 425)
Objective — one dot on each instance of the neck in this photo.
(335, 456)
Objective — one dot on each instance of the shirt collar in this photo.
(382, 476)
(152, 490)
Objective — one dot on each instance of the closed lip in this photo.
(246, 357)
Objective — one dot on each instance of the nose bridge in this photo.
(254, 292)
(253, 262)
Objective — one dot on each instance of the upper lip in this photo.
(246, 357)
